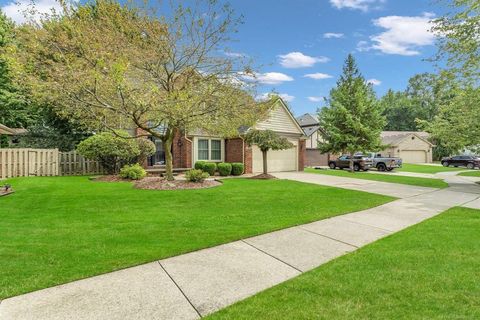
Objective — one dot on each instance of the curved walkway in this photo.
(196, 284)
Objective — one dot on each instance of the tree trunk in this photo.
(167, 145)
(351, 163)
(264, 154)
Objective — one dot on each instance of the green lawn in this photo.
(429, 271)
(421, 168)
(473, 173)
(54, 230)
(414, 181)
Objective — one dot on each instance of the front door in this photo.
(158, 159)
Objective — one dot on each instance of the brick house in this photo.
(189, 147)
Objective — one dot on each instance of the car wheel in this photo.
(381, 167)
(445, 164)
(332, 165)
(356, 167)
(470, 166)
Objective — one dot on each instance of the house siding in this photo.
(279, 121)
(409, 144)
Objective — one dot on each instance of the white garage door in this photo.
(278, 161)
(413, 156)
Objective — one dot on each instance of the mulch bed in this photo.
(263, 176)
(159, 183)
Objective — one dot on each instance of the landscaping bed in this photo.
(59, 229)
(157, 183)
(428, 271)
(160, 183)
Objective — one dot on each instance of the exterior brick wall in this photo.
(301, 155)
(234, 150)
(181, 151)
(248, 161)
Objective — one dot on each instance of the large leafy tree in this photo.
(114, 65)
(267, 140)
(456, 124)
(14, 111)
(459, 41)
(353, 120)
(399, 112)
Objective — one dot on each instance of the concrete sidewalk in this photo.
(196, 284)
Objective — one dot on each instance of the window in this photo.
(209, 149)
(202, 149)
(216, 147)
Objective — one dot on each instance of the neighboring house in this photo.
(311, 128)
(411, 146)
(11, 133)
(191, 147)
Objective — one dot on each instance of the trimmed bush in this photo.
(237, 168)
(210, 167)
(200, 165)
(196, 175)
(133, 172)
(112, 150)
(225, 169)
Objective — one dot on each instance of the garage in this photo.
(411, 146)
(277, 161)
(413, 156)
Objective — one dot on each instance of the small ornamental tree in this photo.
(353, 121)
(267, 140)
(112, 150)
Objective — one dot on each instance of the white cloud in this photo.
(268, 77)
(403, 35)
(318, 76)
(315, 99)
(374, 82)
(330, 35)
(300, 60)
(363, 5)
(285, 96)
(15, 10)
(235, 54)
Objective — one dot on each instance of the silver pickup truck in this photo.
(384, 163)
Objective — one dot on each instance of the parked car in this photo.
(360, 162)
(471, 162)
(384, 163)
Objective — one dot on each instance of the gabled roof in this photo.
(266, 123)
(394, 138)
(307, 119)
(310, 130)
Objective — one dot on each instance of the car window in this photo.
(343, 158)
(456, 158)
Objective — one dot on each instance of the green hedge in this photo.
(210, 167)
(237, 168)
(200, 165)
(224, 168)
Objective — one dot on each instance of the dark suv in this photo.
(462, 161)
(360, 162)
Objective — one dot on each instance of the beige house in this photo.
(311, 128)
(412, 147)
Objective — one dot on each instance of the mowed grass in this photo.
(59, 229)
(424, 168)
(414, 181)
(429, 271)
(473, 173)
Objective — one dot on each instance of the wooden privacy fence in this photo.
(28, 162)
(44, 162)
(71, 163)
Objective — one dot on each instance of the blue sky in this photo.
(301, 45)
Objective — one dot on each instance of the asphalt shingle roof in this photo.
(307, 119)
